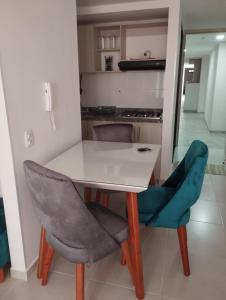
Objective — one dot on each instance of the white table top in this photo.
(108, 165)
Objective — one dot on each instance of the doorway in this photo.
(203, 97)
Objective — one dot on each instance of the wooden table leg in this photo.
(135, 244)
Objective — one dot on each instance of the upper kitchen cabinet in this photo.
(108, 47)
(144, 40)
(103, 46)
(86, 48)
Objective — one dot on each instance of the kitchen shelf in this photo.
(93, 72)
(96, 42)
(108, 50)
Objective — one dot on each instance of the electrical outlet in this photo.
(29, 138)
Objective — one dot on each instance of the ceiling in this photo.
(197, 14)
(199, 45)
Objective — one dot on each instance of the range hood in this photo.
(145, 64)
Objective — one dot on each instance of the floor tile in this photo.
(192, 127)
(100, 291)
(58, 287)
(207, 252)
(206, 212)
(219, 187)
(154, 252)
(207, 238)
(109, 270)
(8, 285)
(207, 193)
(222, 208)
(207, 280)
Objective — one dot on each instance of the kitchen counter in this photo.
(89, 114)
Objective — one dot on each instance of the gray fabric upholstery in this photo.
(114, 133)
(72, 229)
(112, 223)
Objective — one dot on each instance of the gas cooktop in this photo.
(152, 115)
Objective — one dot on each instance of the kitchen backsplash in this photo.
(128, 89)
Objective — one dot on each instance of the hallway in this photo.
(192, 127)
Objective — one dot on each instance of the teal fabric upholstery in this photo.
(169, 205)
(4, 248)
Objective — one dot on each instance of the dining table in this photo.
(126, 167)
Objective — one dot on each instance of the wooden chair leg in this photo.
(2, 275)
(123, 259)
(106, 200)
(87, 194)
(182, 236)
(80, 271)
(47, 264)
(98, 196)
(42, 250)
(126, 254)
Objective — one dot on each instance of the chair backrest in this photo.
(196, 150)
(2, 217)
(187, 182)
(62, 212)
(114, 133)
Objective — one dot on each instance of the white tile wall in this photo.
(130, 89)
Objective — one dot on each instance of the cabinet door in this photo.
(150, 133)
(86, 48)
(84, 130)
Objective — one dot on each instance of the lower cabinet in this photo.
(147, 133)
(144, 133)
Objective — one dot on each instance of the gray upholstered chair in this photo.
(111, 133)
(81, 233)
(114, 133)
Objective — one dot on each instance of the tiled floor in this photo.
(193, 126)
(164, 280)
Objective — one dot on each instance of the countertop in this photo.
(89, 115)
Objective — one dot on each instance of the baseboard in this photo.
(32, 267)
(190, 111)
(18, 274)
(24, 275)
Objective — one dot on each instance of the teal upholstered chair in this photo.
(169, 205)
(4, 248)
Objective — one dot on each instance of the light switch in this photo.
(29, 138)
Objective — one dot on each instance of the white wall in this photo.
(211, 87)
(148, 38)
(191, 97)
(203, 84)
(170, 86)
(9, 191)
(128, 89)
(218, 120)
(38, 42)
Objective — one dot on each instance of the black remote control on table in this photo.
(143, 149)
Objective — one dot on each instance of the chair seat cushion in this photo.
(73, 254)
(115, 225)
(151, 201)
